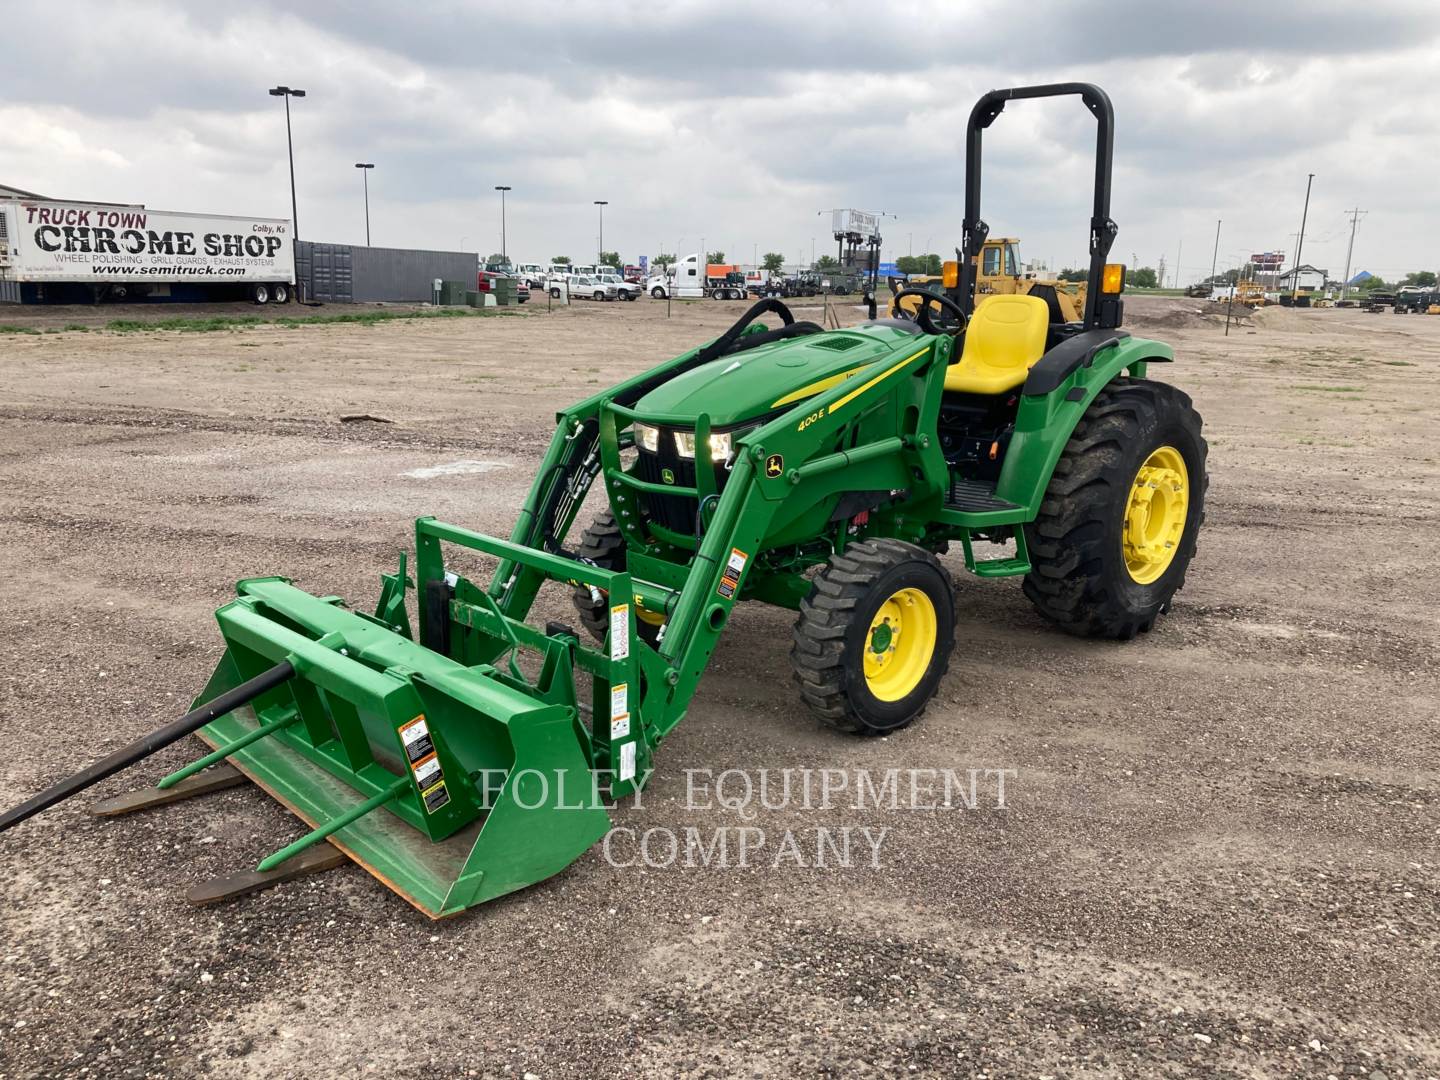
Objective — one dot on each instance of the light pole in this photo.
(287, 93)
(365, 167)
(504, 252)
(601, 203)
(1214, 257)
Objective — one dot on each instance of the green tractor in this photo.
(818, 471)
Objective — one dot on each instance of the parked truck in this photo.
(693, 279)
(70, 252)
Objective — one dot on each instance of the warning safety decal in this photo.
(619, 711)
(416, 737)
(730, 579)
(620, 632)
(420, 752)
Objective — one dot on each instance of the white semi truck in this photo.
(684, 279)
(68, 252)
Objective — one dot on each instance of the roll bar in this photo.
(1098, 312)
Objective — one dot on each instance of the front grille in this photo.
(835, 344)
(673, 512)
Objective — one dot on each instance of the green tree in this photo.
(918, 264)
(1070, 273)
(496, 261)
(560, 260)
(774, 260)
(715, 257)
(1143, 278)
(1374, 281)
(826, 262)
(662, 261)
(1423, 278)
(611, 258)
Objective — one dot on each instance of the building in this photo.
(1308, 276)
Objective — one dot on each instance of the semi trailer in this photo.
(53, 251)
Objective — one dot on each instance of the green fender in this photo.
(1044, 422)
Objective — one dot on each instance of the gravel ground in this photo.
(1217, 850)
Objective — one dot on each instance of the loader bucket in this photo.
(450, 784)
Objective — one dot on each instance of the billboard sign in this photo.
(52, 241)
(1268, 260)
(854, 223)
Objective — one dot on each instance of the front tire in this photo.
(874, 636)
(604, 545)
(260, 293)
(658, 292)
(1118, 525)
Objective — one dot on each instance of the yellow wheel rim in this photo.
(899, 644)
(1155, 515)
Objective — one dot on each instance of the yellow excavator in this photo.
(997, 271)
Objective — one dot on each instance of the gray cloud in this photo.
(737, 122)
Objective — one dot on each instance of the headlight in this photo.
(647, 437)
(720, 443)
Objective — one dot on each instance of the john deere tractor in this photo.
(823, 472)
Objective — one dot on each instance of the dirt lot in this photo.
(1217, 854)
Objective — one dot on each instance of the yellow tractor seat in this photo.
(1005, 337)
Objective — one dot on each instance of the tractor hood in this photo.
(760, 381)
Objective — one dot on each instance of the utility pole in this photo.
(1179, 249)
(1215, 257)
(1355, 216)
(1300, 243)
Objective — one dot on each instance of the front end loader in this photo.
(472, 753)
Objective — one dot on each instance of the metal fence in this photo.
(348, 274)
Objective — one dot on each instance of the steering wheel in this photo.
(922, 314)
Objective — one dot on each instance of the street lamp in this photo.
(504, 254)
(365, 167)
(287, 93)
(601, 203)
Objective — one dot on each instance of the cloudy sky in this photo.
(736, 122)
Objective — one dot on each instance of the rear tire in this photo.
(603, 544)
(282, 294)
(260, 293)
(1086, 575)
(874, 637)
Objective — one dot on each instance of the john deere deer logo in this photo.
(774, 465)
(668, 475)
